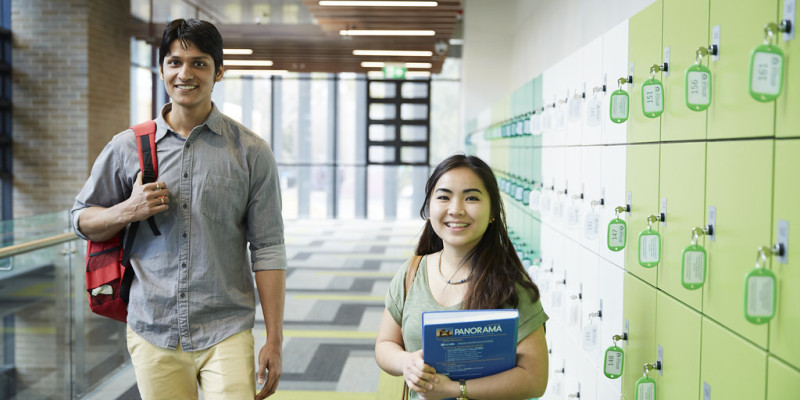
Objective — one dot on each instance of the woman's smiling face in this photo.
(460, 209)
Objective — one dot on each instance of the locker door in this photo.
(573, 302)
(612, 177)
(615, 66)
(731, 367)
(685, 29)
(787, 121)
(741, 193)
(573, 204)
(786, 324)
(591, 183)
(610, 287)
(783, 381)
(642, 183)
(644, 51)
(640, 317)
(733, 113)
(677, 328)
(571, 92)
(591, 320)
(683, 187)
(592, 78)
(551, 80)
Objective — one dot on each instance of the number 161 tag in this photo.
(766, 72)
(759, 296)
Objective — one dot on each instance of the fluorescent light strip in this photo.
(418, 74)
(256, 72)
(237, 52)
(378, 3)
(361, 32)
(247, 63)
(388, 53)
(381, 64)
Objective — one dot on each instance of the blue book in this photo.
(469, 344)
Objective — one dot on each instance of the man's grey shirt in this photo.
(194, 283)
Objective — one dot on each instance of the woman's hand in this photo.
(419, 376)
(442, 389)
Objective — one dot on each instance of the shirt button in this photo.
(183, 265)
(185, 175)
(183, 295)
(187, 145)
(185, 206)
(184, 234)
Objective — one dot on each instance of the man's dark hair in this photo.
(203, 34)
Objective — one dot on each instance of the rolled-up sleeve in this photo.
(264, 219)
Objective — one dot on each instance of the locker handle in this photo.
(658, 68)
(660, 217)
(704, 51)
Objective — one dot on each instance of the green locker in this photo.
(644, 51)
(733, 113)
(786, 323)
(676, 326)
(739, 186)
(787, 121)
(783, 381)
(682, 188)
(639, 317)
(642, 184)
(685, 29)
(731, 367)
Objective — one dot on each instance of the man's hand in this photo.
(147, 199)
(269, 369)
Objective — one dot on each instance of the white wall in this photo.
(509, 42)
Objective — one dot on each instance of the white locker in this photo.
(615, 66)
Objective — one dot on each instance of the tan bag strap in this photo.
(411, 273)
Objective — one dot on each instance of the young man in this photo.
(192, 304)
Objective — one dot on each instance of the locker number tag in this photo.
(693, 267)
(652, 98)
(645, 389)
(533, 199)
(649, 248)
(759, 295)
(698, 87)
(593, 112)
(619, 106)
(617, 234)
(766, 72)
(612, 367)
(591, 225)
(590, 335)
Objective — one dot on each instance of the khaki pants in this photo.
(224, 371)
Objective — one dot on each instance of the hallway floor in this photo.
(338, 273)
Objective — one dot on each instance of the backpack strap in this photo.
(411, 273)
(148, 159)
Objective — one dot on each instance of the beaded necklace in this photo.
(450, 281)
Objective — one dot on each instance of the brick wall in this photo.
(70, 91)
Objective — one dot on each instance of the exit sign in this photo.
(394, 72)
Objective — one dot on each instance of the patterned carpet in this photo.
(338, 273)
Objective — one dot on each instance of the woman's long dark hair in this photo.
(494, 262)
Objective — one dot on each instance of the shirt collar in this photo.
(214, 122)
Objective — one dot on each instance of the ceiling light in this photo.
(237, 52)
(361, 32)
(247, 63)
(400, 53)
(256, 72)
(378, 3)
(372, 64)
(419, 65)
(418, 74)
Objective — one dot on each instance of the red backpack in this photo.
(108, 271)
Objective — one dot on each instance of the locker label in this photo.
(766, 72)
(557, 299)
(617, 234)
(783, 240)
(649, 248)
(619, 106)
(546, 202)
(560, 118)
(759, 296)
(558, 208)
(715, 39)
(574, 105)
(526, 127)
(547, 120)
(593, 112)
(698, 87)
(591, 226)
(573, 216)
(575, 312)
(789, 14)
(706, 391)
(645, 389)
(533, 199)
(590, 333)
(693, 267)
(652, 98)
(612, 367)
(536, 124)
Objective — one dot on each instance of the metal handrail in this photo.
(36, 244)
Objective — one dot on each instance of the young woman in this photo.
(469, 263)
